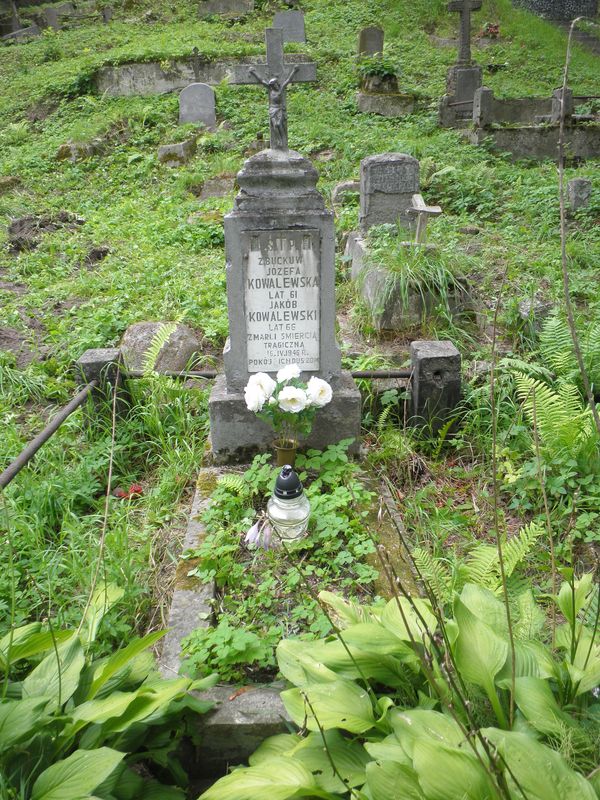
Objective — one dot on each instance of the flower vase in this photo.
(285, 451)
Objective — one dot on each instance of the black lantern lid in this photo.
(287, 485)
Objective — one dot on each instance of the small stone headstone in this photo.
(370, 41)
(175, 354)
(579, 191)
(197, 104)
(292, 23)
(107, 14)
(387, 184)
(217, 187)
(209, 7)
(174, 155)
(52, 18)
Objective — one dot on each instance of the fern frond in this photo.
(527, 368)
(519, 547)
(234, 483)
(159, 340)
(434, 573)
(556, 346)
(482, 567)
(383, 420)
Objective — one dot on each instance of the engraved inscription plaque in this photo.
(282, 299)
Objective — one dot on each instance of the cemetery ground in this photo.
(116, 238)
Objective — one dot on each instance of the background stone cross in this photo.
(422, 212)
(275, 76)
(196, 62)
(464, 8)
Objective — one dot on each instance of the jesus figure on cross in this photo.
(277, 107)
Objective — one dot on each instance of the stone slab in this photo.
(436, 382)
(387, 184)
(292, 24)
(370, 41)
(182, 345)
(175, 155)
(579, 192)
(386, 105)
(236, 434)
(541, 142)
(153, 77)
(197, 104)
(208, 8)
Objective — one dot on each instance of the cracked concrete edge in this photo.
(242, 717)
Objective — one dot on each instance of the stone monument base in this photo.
(236, 434)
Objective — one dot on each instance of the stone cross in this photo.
(464, 8)
(196, 64)
(422, 212)
(275, 76)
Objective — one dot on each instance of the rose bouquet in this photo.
(287, 404)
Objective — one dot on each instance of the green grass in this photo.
(160, 266)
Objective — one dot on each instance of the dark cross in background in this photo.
(275, 76)
(196, 64)
(464, 8)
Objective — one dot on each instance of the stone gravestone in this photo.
(465, 77)
(292, 25)
(280, 250)
(52, 18)
(579, 192)
(387, 184)
(229, 7)
(197, 104)
(370, 41)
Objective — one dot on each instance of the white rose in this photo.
(319, 392)
(264, 382)
(254, 397)
(292, 399)
(287, 373)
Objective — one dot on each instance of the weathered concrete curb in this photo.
(242, 717)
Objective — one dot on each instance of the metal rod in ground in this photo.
(27, 454)
(211, 374)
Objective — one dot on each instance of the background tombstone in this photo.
(197, 104)
(370, 41)
(52, 18)
(387, 184)
(579, 192)
(231, 7)
(292, 24)
(465, 77)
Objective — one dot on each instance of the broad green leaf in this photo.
(390, 780)
(278, 779)
(298, 665)
(77, 776)
(57, 676)
(572, 601)
(340, 704)
(28, 641)
(147, 703)
(103, 600)
(121, 659)
(447, 773)
(585, 669)
(377, 640)
(479, 653)
(19, 719)
(532, 659)
(389, 749)
(403, 621)
(415, 724)
(280, 745)
(349, 757)
(541, 773)
(98, 711)
(538, 705)
(345, 611)
(485, 606)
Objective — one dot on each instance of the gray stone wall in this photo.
(560, 9)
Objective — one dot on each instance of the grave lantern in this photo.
(288, 508)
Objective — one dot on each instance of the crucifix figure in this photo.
(275, 76)
(464, 7)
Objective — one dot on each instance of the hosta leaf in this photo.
(403, 621)
(389, 749)
(103, 600)
(479, 653)
(280, 745)
(538, 705)
(77, 776)
(485, 606)
(350, 759)
(297, 664)
(340, 704)
(57, 676)
(572, 601)
(447, 773)
(278, 779)
(410, 726)
(390, 780)
(121, 659)
(19, 719)
(542, 773)
(28, 641)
